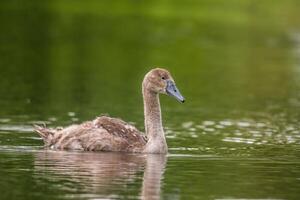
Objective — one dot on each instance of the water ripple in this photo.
(246, 131)
(16, 128)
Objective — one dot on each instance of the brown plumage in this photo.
(112, 134)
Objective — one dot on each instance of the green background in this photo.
(236, 62)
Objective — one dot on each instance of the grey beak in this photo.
(173, 91)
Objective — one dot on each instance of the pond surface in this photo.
(236, 62)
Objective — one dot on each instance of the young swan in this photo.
(112, 134)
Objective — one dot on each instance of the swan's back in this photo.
(102, 134)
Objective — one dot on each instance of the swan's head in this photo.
(159, 80)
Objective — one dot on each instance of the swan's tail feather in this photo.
(45, 133)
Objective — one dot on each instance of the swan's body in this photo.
(102, 134)
(111, 134)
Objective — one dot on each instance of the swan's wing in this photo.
(119, 128)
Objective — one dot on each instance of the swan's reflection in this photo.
(101, 174)
(155, 165)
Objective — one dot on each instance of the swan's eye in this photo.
(163, 78)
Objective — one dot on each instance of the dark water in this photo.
(236, 62)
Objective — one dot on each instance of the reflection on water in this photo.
(154, 170)
(101, 173)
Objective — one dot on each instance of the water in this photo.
(236, 62)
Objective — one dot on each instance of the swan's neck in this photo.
(153, 124)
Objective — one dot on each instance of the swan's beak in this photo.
(173, 91)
